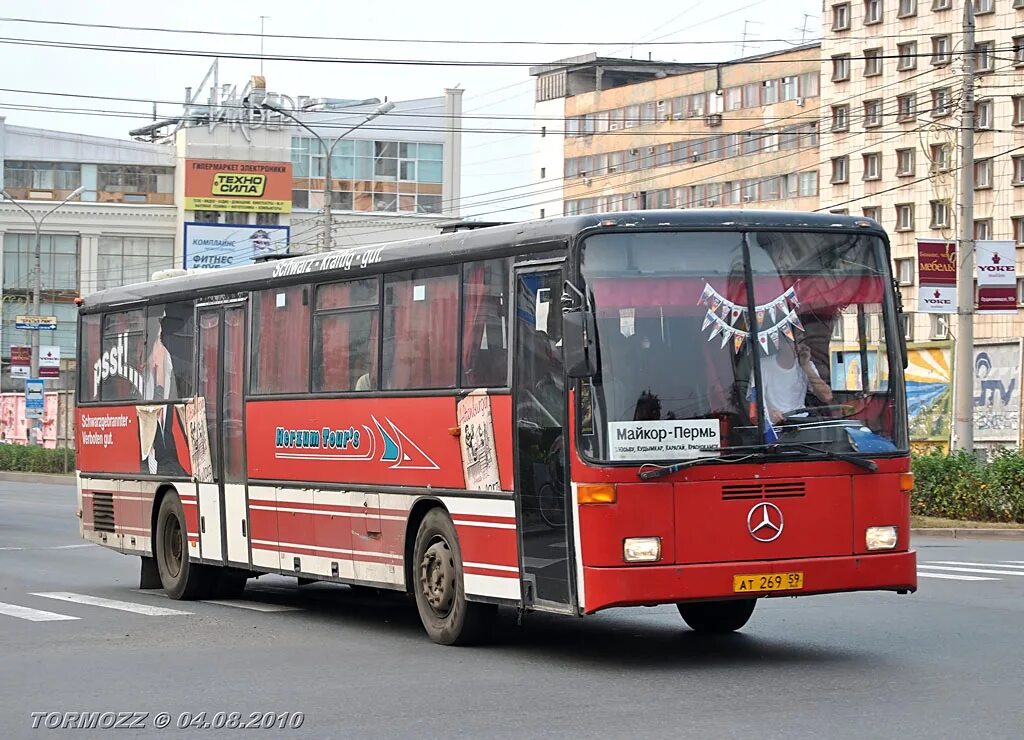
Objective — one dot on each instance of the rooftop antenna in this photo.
(262, 19)
(746, 35)
(803, 29)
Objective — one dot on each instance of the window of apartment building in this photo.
(269, 219)
(733, 98)
(984, 56)
(809, 134)
(872, 113)
(631, 116)
(873, 212)
(1018, 51)
(58, 261)
(939, 326)
(750, 188)
(790, 88)
(808, 184)
(941, 98)
(940, 214)
(841, 17)
(942, 49)
(751, 143)
(751, 95)
(904, 217)
(905, 271)
(841, 117)
(981, 7)
(872, 62)
(983, 115)
(905, 162)
(697, 105)
(873, 166)
(907, 58)
(1018, 230)
(770, 188)
(941, 4)
(664, 155)
(213, 217)
(122, 260)
(770, 92)
(791, 185)
(982, 174)
(1018, 169)
(907, 325)
(906, 107)
(1020, 289)
(42, 175)
(983, 228)
(907, 9)
(872, 12)
(238, 218)
(1018, 3)
(112, 178)
(940, 157)
(840, 170)
(809, 85)
(840, 68)
(1018, 110)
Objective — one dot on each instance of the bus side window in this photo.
(280, 340)
(346, 336)
(421, 319)
(91, 364)
(485, 324)
(122, 361)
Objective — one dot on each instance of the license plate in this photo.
(760, 582)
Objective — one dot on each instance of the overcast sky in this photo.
(491, 162)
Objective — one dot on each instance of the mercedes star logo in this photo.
(764, 522)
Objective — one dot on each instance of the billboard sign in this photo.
(997, 276)
(35, 401)
(213, 246)
(936, 266)
(997, 401)
(21, 360)
(49, 361)
(248, 187)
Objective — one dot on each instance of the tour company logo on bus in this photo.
(353, 443)
(246, 186)
(114, 364)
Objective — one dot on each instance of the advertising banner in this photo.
(997, 392)
(49, 361)
(936, 266)
(997, 276)
(476, 439)
(21, 360)
(249, 187)
(213, 246)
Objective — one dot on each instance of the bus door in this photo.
(540, 440)
(224, 526)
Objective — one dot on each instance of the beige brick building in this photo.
(657, 135)
(891, 91)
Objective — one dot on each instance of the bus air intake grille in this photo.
(793, 489)
(103, 512)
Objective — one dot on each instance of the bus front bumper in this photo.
(641, 585)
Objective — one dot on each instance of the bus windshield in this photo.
(692, 325)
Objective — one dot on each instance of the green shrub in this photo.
(32, 459)
(962, 486)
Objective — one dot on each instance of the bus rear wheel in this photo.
(717, 617)
(180, 578)
(439, 585)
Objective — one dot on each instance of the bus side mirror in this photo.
(578, 332)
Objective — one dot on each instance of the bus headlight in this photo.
(641, 549)
(880, 538)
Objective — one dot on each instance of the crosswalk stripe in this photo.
(125, 606)
(33, 615)
(255, 606)
(987, 571)
(979, 565)
(954, 577)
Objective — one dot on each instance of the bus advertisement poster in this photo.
(476, 440)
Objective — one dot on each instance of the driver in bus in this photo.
(789, 374)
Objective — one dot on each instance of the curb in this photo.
(962, 533)
(57, 479)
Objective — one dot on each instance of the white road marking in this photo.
(977, 565)
(953, 577)
(56, 547)
(125, 606)
(255, 606)
(32, 615)
(987, 571)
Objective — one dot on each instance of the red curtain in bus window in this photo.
(422, 310)
(280, 345)
(345, 351)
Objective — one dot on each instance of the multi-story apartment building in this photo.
(891, 90)
(657, 135)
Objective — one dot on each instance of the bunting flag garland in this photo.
(776, 317)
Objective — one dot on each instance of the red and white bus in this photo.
(562, 415)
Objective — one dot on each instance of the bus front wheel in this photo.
(717, 617)
(439, 587)
(180, 578)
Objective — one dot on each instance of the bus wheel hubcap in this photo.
(172, 546)
(437, 577)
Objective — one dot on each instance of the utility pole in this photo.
(963, 362)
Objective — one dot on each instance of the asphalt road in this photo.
(946, 662)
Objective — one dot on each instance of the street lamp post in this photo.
(329, 152)
(37, 277)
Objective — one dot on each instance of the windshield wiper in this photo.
(663, 470)
(860, 462)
